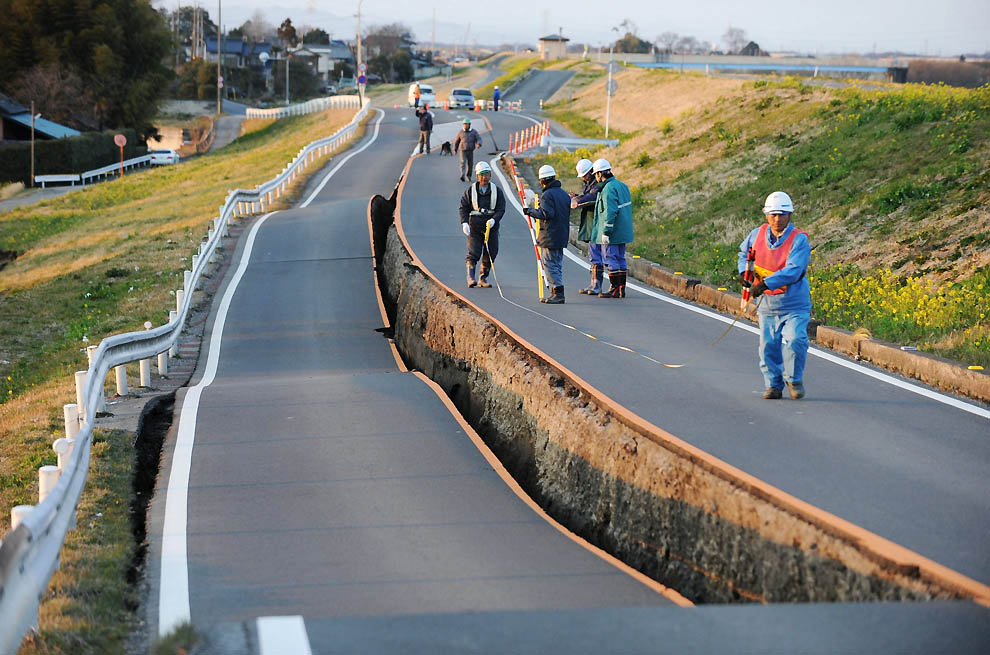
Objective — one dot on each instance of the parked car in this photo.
(461, 98)
(161, 157)
(426, 96)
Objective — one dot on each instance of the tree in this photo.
(117, 48)
(316, 36)
(385, 39)
(402, 65)
(687, 44)
(632, 44)
(57, 93)
(303, 82)
(381, 65)
(287, 34)
(734, 39)
(667, 40)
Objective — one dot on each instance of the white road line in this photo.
(173, 597)
(282, 635)
(827, 356)
(343, 161)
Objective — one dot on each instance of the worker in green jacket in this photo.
(613, 226)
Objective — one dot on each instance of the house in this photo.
(553, 46)
(238, 52)
(15, 123)
(328, 59)
(752, 49)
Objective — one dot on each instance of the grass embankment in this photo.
(93, 263)
(515, 68)
(891, 183)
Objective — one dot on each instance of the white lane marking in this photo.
(343, 161)
(827, 356)
(173, 597)
(282, 635)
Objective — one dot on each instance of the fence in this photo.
(308, 107)
(29, 553)
(112, 169)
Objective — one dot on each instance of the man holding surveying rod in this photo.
(554, 211)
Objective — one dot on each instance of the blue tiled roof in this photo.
(45, 126)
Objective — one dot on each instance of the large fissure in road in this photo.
(690, 522)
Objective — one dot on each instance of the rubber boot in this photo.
(483, 278)
(595, 286)
(614, 281)
(622, 284)
(470, 276)
(556, 297)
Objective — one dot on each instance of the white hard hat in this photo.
(482, 167)
(778, 202)
(583, 167)
(547, 171)
(601, 165)
(496, 86)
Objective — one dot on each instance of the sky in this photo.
(923, 27)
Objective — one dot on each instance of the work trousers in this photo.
(783, 347)
(614, 256)
(424, 138)
(595, 254)
(553, 265)
(476, 249)
(467, 163)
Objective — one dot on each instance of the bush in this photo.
(75, 154)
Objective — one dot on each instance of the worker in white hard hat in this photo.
(586, 202)
(554, 214)
(496, 96)
(481, 209)
(613, 226)
(466, 142)
(780, 253)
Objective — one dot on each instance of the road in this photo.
(327, 486)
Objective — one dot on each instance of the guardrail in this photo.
(308, 107)
(103, 172)
(29, 553)
(567, 144)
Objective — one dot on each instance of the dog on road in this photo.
(445, 149)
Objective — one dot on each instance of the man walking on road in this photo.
(586, 201)
(481, 209)
(425, 127)
(554, 213)
(416, 94)
(781, 265)
(467, 141)
(613, 226)
(496, 97)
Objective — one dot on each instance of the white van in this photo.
(425, 94)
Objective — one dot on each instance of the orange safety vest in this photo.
(770, 260)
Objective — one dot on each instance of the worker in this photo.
(425, 127)
(555, 225)
(481, 209)
(613, 226)
(416, 94)
(496, 96)
(467, 141)
(586, 202)
(781, 265)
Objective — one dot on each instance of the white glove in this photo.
(604, 239)
(466, 229)
(490, 223)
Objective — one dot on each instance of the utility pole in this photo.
(359, 60)
(31, 181)
(608, 90)
(219, 55)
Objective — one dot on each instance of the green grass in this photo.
(514, 67)
(895, 172)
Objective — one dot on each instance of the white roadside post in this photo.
(63, 448)
(18, 514)
(145, 365)
(47, 479)
(70, 414)
(90, 354)
(174, 349)
(120, 372)
(81, 394)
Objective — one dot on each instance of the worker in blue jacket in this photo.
(554, 214)
(613, 226)
(496, 97)
(781, 253)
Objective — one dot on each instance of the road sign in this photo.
(613, 86)
(363, 67)
(220, 82)
(613, 67)
(120, 140)
(362, 79)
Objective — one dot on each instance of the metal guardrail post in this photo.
(70, 416)
(80, 378)
(120, 373)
